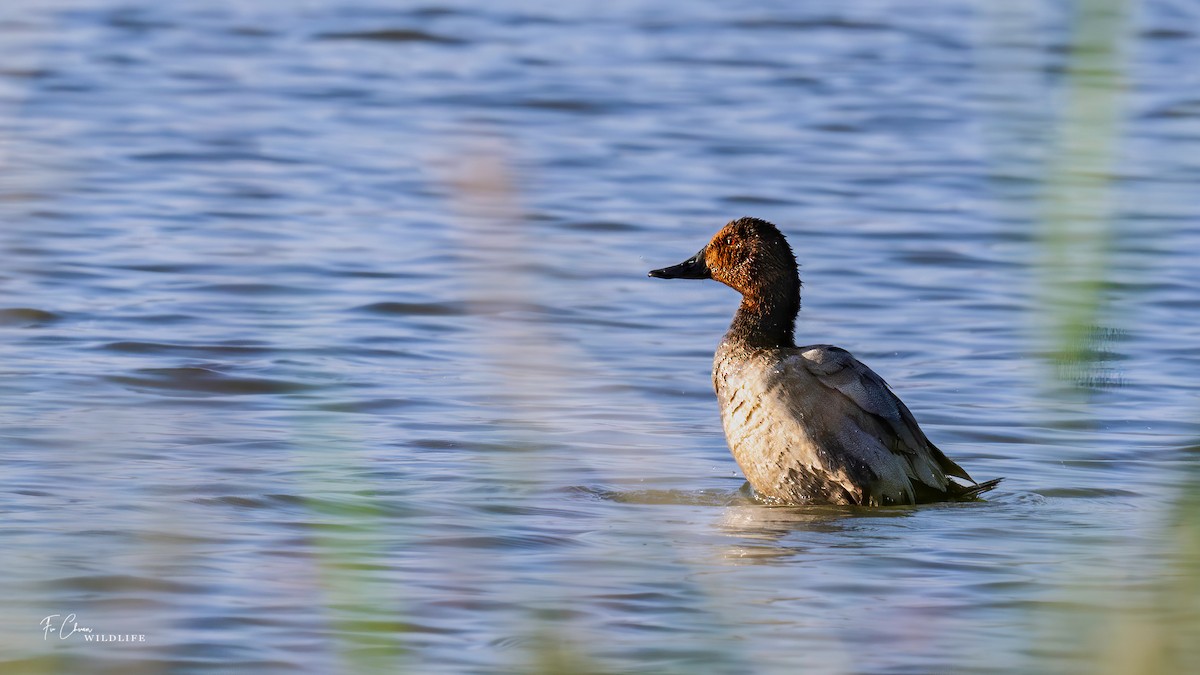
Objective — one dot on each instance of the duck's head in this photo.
(749, 255)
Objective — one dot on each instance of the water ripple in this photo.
(199, 380)
(25, 317)
(392, 35)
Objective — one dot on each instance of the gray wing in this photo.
(877, 411)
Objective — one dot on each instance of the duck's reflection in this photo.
(767, 533)
(761, 528)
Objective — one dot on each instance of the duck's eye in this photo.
(729, 241)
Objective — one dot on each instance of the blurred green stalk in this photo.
(1155, 627)
(1076, 232)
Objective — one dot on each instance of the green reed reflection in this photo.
(1076, 229)
(1152, 628)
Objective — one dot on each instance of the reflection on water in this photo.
(328, 345)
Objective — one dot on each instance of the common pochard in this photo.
(808, 425)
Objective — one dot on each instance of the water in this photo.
(328, 346)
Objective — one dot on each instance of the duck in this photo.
(808, 424)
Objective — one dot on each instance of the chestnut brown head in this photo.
(749, 255)
(752, 257)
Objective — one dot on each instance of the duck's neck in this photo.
(766, 319)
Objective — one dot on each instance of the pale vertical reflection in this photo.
(522, 363)
(30, 174)
(537, 382)
(523, 359)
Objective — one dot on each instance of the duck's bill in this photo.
(692, 268)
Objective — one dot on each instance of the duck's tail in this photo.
(973, 491)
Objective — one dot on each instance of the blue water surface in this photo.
(326, 342)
